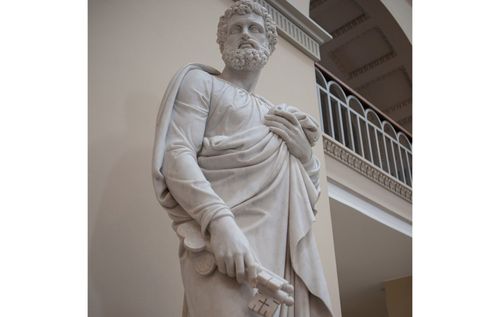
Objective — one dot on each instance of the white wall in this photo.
(134, 49)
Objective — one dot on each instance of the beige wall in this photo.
(398, 297)
(134, 49)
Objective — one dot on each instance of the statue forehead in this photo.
(246, 18)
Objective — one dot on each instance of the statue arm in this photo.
(183, 176)
(191, 189)
(300, 133)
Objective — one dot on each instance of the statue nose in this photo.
(245, 36)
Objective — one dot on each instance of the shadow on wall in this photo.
(133, 264)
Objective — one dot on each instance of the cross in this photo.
(262, 305)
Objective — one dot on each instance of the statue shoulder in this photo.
(197, 77)
(196, 81)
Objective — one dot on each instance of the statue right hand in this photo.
(232, 250)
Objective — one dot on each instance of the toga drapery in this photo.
(214, 157)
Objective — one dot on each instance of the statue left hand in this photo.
(286, 126)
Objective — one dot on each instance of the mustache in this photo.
(244, 51)
(253, 43)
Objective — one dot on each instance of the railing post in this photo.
(350, 128)
(378, 148)
(320, 109)
(402, 165)
(330, 112)
(369, 140)
(394, 158)
(409, 169)
(341, 120)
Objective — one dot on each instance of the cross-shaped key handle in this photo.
(262, 305)
(272, 290)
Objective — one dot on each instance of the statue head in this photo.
(246, 35)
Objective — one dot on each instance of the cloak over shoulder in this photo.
(162, 124)
(269, 191)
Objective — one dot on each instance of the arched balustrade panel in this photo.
(337, 91)
(403, 140)
(372, 117)
(388, 129)
(320, 79)
(361, 129)
(355, 105)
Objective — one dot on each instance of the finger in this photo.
(221, 265)
(281, 120)
(251, 266)
(293, 110)
(279, 132)
(287, 115)
(229, 266)
(300, 117)
(240, 268)
(278, 125)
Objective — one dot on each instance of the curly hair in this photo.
(243, 7)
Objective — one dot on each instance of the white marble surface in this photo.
(243, 170)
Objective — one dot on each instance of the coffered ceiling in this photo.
(369, 52)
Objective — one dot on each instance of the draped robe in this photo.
(214, 157)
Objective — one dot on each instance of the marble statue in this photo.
(239, 180)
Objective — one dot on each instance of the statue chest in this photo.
(233, 110)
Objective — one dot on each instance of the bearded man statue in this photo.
(239, 180)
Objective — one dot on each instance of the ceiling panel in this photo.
(361, 51)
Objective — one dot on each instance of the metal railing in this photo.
(358, 126)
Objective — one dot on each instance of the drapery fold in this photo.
(270, 193)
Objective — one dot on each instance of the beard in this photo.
(247, 59)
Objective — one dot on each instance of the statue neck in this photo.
(240, 78)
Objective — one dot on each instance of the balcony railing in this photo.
(363, 129)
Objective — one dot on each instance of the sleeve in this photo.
(313, 133)
(183, 176)
(312, 168)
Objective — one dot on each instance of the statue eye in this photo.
(235, 29)
(255, 28)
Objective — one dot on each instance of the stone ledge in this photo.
(347, 157)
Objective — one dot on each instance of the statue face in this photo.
(246, 31)
(246, 46)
